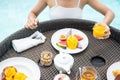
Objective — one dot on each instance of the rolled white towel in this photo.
(36, 38)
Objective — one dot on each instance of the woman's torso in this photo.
(62, 9)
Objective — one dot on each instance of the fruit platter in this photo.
(69, 40)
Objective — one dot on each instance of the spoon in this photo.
(80, 71)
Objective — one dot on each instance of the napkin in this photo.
(23, 44)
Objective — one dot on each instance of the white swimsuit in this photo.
(59, 12)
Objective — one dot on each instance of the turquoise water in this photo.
(13, 14)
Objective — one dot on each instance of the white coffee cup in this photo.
(61, 77)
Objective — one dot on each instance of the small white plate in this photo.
(24, 65)
(113, 67)
(65, 31)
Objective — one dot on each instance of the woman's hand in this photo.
(107, 31)
(31, 23)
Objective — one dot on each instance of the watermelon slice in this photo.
(78, 37)
(62, 44)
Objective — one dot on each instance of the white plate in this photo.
(113, 67)
(65, 31)
(25, 65)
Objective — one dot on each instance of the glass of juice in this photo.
(99, 31)
(88, 73)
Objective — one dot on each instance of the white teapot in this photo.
(63, 62)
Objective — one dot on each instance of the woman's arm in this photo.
(38, 8)
(109, 15)
(32, 17)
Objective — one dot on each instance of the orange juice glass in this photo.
(99, 31)
(88, 73)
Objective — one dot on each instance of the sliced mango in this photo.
(11, 71)
(72, 42)
(20, 76)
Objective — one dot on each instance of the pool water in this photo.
(13, 14)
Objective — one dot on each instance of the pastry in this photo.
(11, 73)
(117, 77)
(116, 72)
(8, 73)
